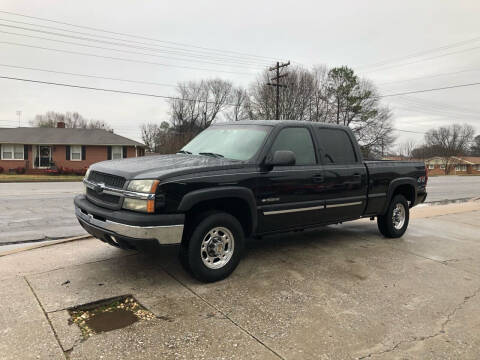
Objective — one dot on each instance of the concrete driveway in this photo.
(342, 292)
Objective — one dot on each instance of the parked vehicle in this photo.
(245, 179)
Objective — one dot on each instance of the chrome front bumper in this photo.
(165, 235)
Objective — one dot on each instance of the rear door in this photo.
(290, 196)
(345, 175)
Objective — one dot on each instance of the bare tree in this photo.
(237, 108)
(71, 119)
(337, 96)
(475, 148)
(199, 104)
(449, 142)
(406, 148)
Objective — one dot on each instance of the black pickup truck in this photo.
(245, 179)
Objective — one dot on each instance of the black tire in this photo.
(193, 258)
(386, 223)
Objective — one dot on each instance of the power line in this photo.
(106, 90)
(88, 76)
(122, 59)
(422, 60)
(429, 90)
(135, 36)
(420, 53)
(180, 53)
(158, 48)
(409, 131)
(428, 76)
(121, 51)
(437, 106)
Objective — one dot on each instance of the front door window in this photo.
(45, 156)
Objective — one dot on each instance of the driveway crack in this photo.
(226, 315)
(442, 331)
(46, 316)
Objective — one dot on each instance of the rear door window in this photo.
(336, 145)
(299, 141)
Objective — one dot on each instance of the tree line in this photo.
(334, 95)
(71, 120)
(446, 142)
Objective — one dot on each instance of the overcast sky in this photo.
(354, 33)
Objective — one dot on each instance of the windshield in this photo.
(238, 142)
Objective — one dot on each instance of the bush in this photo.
(20, 170)
(80, 172)
(1, 169)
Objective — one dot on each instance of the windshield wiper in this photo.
(211, 154)
(183, 152)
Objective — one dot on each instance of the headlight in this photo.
(143, 186)
(87, 173)
(138, 202)
(139, 205)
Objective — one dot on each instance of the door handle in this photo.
(357, 176)
(317, 178)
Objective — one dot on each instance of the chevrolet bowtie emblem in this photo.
(99, 188)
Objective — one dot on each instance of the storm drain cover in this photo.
(109, 314)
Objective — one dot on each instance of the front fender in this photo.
(195, 197)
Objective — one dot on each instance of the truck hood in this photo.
(163, 166)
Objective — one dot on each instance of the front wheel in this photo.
(215, 247)
(394, 222)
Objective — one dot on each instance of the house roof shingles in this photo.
(63, 136)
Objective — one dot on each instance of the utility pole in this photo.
(277, 84)
(19, 114)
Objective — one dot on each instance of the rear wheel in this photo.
(394, 222)
(214, 247)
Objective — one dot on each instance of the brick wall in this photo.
(93, 154)
(438, 171)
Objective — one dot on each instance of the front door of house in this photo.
(45, 156)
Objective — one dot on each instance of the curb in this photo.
(44, 244)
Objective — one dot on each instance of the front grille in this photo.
(106, 198)
(107, 179)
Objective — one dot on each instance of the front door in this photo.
(290, 197)
(45, 156)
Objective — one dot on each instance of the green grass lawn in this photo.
(4, 178)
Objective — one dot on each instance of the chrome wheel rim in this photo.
(398, 216)
(217, 247)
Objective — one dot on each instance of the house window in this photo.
(117, 152)
(461, 168)
(12, 152)
(442, 166)
(76, 152)
(431, 166)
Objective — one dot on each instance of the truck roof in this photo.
(281, 123)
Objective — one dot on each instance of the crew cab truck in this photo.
(245, 179)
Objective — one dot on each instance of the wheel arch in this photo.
(235, 200)
(403, 186)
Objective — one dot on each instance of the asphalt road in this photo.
(36, 211)
(442, 188)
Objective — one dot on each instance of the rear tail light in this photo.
(426, 174)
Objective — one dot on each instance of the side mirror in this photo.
(281, 158)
